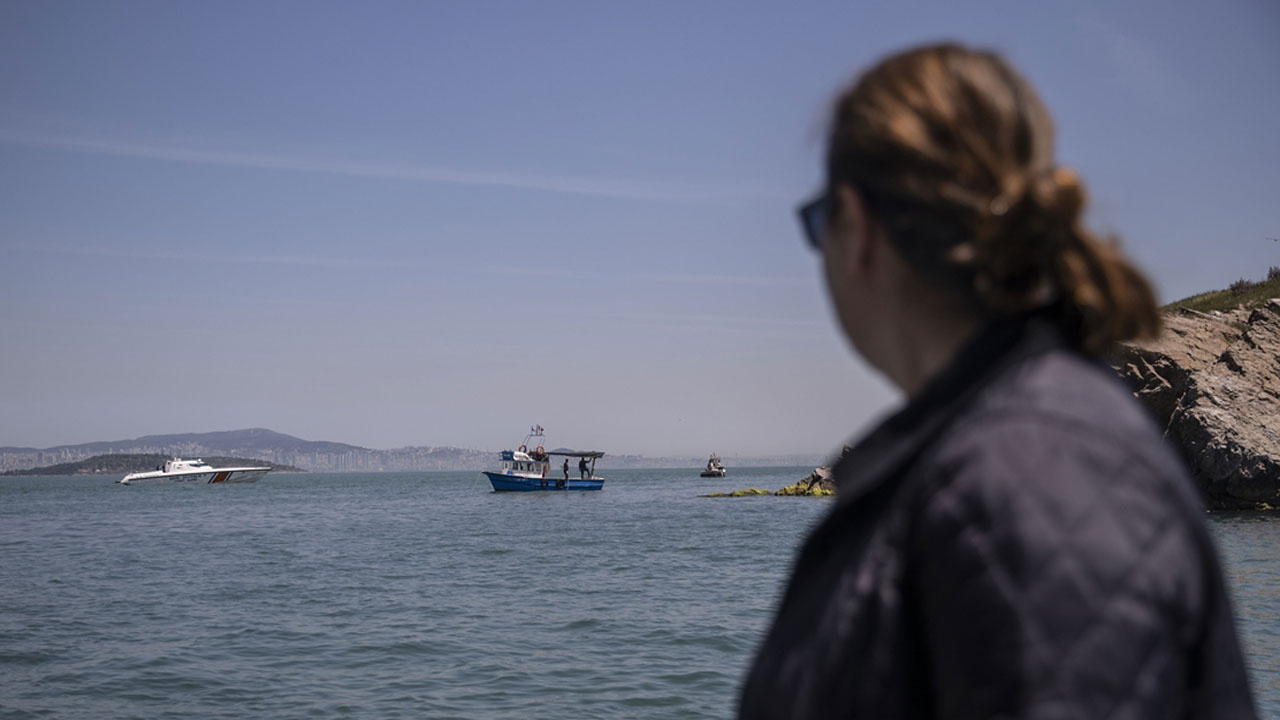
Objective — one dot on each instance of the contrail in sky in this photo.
(585, 186)
(188, 257)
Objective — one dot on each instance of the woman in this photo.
(1017, 541)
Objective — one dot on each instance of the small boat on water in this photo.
(715, 468)
(178, 470)
(528, 467)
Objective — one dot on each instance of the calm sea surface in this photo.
(426, 595)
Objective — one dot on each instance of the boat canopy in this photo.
(592, 454)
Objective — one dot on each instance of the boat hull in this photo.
(515, 483)
(712, 473)
(211, 477)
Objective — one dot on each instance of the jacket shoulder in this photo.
(1057, 530)
(1058, 462)
(1061, 418)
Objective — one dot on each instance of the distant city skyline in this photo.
(412, 223)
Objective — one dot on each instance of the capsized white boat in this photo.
(178, 470)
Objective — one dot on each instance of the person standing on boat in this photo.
(566, 468)
(582, 468)
(1018, 540)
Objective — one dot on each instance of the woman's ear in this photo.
(855, 230)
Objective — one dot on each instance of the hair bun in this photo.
(1057, 197)
(1013, 266)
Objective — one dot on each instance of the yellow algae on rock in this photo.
(739, 493)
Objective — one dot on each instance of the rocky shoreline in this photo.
(1212, 381)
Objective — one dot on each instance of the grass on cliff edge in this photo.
(1222, 300)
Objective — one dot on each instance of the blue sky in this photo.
(438, 223)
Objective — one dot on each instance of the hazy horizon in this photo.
(619, 452)
(409, 224)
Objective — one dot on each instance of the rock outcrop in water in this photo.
(819, 482)
(1212, 380)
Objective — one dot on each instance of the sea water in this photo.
(426, 595)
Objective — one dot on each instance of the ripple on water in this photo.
(423, 596)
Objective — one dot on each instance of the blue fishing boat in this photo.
(529, 467)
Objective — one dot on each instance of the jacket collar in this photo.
(885, 451)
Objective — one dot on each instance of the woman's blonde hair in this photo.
(952, 152)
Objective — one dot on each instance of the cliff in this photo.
(1212, 380)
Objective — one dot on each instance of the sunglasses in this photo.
(813, 218)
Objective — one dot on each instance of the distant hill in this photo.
(245, 440)
(268, 445)
(124, 464)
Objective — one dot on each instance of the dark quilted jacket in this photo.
(1018, 542)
